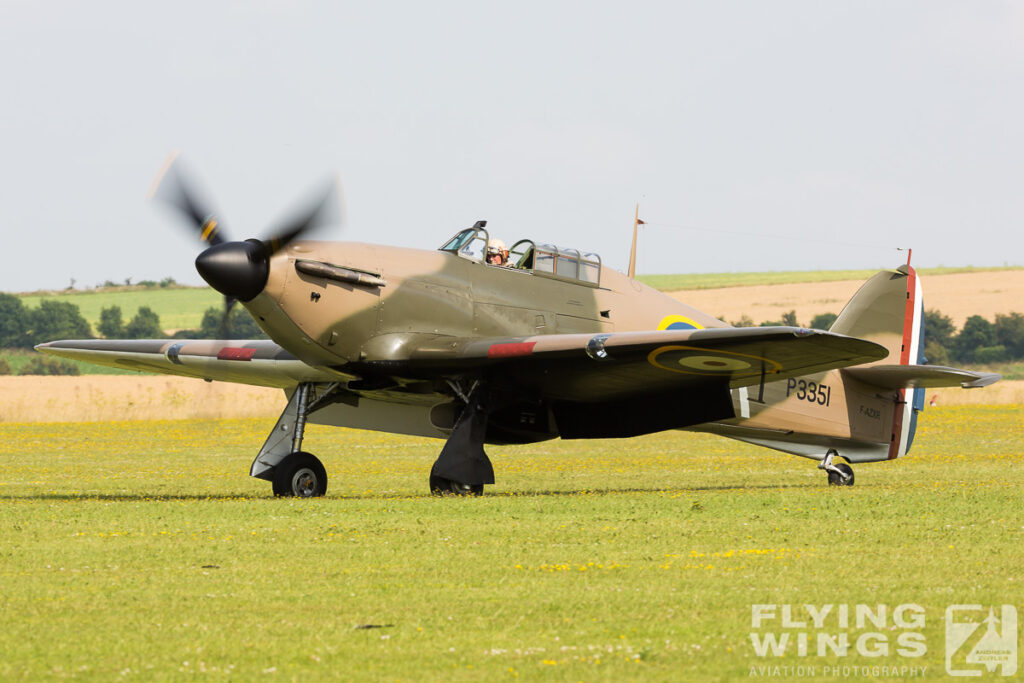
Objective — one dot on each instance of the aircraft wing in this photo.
(600, 367)
(572, 367)
(259, 362)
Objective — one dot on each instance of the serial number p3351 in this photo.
(811, 391)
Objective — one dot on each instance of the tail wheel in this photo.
(301, 475)
(439, 486)
(835, 479)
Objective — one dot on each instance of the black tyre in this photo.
(440, 486)
(835, 480)
(301, 475)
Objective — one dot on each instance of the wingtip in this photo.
(56, 347)
(984, 379)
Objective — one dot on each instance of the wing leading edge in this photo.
(257, 362)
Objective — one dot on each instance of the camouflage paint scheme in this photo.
(406, 332)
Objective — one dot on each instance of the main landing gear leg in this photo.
(281, 461)
(463, 467)
(838, 475)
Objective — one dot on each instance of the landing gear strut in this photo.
(463, 467)
(281, 461)
(838, 475)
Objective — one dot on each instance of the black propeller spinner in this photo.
(238, 270)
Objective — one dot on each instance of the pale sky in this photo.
(756, 136)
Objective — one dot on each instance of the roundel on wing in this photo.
(691, 360)
(679, 322)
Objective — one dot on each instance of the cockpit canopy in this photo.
(546, 260)
(470, 243)
(565, 263)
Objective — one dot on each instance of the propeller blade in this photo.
(172, 189)
(325, 211)
(225, 322)
(238, 270)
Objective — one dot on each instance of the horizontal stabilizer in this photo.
(920, 376)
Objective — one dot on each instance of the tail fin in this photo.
(888, 309)
(876, 417)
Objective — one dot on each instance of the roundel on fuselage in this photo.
(679, 322)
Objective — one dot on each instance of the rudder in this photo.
(888, 309)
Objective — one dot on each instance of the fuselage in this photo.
(353, 307)
(437, 293)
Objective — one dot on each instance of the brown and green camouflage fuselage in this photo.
(402, 334)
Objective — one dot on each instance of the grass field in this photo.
(18, 358)
(142, 550)
(1011, 370)
(178, 307)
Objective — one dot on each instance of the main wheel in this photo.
(300, 474)
(835, 480)
(440, 486)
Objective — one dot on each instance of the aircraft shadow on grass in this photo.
(172, 498)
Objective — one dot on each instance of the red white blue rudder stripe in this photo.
(911, 400)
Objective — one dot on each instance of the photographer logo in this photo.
(978, 640)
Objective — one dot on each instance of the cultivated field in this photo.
(958, 295)
(131, 397)
(154, 397)
(141, 550)
(687, 281)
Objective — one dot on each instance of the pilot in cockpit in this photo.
(497, 253)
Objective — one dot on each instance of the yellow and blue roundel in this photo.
(679, 322)
(695, 360)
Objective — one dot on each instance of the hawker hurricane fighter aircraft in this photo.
(533, 343)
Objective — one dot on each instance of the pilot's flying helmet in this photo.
(496, 247)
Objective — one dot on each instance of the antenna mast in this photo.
(632, 250)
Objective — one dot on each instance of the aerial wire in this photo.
(795, 238)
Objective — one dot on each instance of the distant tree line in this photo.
(143, 284)
(146, 325)
(40, 365)
(23, 327)
(979, 341)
